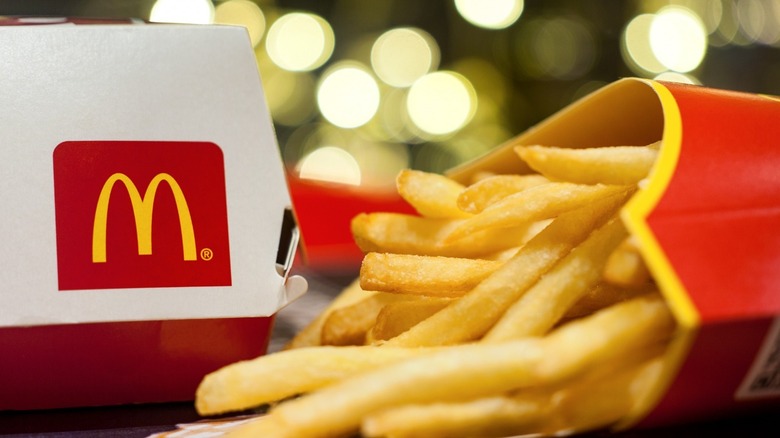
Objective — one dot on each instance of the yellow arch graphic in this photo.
(635, 216)
(143, 207)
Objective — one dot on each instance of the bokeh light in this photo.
(486, 78)
(711, 12)
(242, 13)
(759, 20)
(377, 94)
(442, 102)
(309, 137)
(751, 15)
(290, 96)
(635, 46)
(391, 123)
(490, 14)
(348, 96)
(477, 139)
(557, 48)
(673, 76)
(182, 11)
(727, 32)
(300, 41)
(379, 162)
(401, 56)
(678, 39)
(332, 164)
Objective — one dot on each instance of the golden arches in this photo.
(143, 207)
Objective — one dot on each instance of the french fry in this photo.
(531, 231)
(406, 234)
(617, 165)
(348, 325)
(533, 204)
(251, 383)
(423, 275)
(588, 404)
(480, 175)
(584, 405)
(477, 311)
(547, 301)
(488, 191)
(396, 318)
(311, 334)
(338, 409)
(601, 296)
(506, 254)
(625, 266)
(596, 400)
(516, 305)
(497, 416)
(597, 404)
(609, 334)
(432, 195)
(477, 370)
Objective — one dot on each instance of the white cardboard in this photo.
(134, 82)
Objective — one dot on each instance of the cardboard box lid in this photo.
(118, 110)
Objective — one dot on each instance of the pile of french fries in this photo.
(517, 304)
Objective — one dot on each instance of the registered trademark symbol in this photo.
(206, 254)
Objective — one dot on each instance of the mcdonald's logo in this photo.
(143, 208)
(140, 214)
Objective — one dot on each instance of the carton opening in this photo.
(288, 242)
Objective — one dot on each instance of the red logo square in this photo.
(136, 214)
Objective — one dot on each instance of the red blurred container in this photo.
(324, 212)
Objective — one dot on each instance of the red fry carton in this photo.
(147, 225)
(706, 219)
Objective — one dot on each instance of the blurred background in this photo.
(359, 90)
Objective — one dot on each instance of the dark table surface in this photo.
(143, 420)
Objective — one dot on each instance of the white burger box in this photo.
(147, 226)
